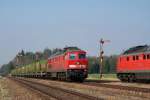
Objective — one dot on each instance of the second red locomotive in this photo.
(134, 64)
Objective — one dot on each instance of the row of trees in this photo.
(109, 64)
(6, 68)
(24, 58)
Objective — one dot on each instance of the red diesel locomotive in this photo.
(70, 64)
(134, 64)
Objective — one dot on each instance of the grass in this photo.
(104, 77)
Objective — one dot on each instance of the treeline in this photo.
(24, 58)
(6, 68)
(109, 64)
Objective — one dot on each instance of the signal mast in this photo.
(102, 55)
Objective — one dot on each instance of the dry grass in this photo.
(104, 77)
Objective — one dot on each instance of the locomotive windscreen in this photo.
(82, 56)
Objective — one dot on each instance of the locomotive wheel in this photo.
(131, 78)
(81, 80)
(120, 76)
(125, 78)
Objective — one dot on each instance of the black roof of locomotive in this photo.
(137, 49)
(70, 49)
(66, 49)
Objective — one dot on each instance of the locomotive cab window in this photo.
(72, 57)
(82, 56)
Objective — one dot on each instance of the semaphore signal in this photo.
(102, 42)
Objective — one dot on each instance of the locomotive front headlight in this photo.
(77, 63)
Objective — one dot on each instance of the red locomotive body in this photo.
(70, 64)
(134, 64)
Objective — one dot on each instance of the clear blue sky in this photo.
(33, 25)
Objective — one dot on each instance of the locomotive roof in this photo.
(71, 49)
(66, 49)
(137, 49)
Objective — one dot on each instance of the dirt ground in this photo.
(101, 92)
(10, 90)
(142, 85)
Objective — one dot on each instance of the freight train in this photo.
(69, 64)
(134, 64)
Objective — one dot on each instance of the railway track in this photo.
(119, 87)
(55, 92)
